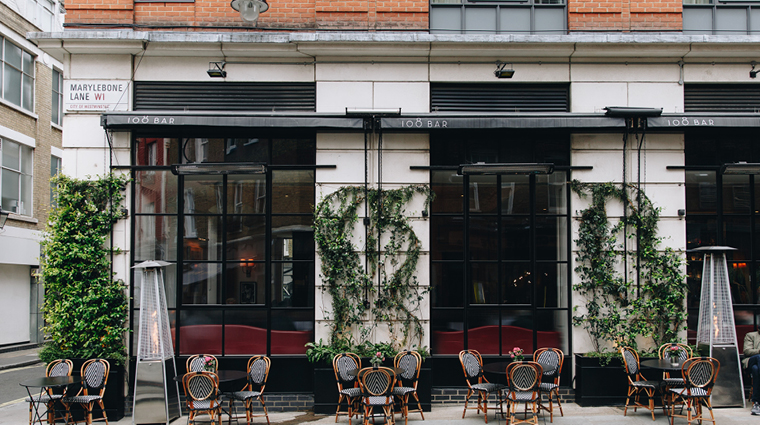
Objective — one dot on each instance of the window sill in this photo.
(56, 126)
(18, 108)
(17, 217)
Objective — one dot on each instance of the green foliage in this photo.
(344, 276)
(85, 310)
(616, 310)
(322, 352)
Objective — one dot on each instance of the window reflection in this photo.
(201, 283)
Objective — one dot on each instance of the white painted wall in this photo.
(15, 303)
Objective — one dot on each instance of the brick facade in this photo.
(624, 16)
(285, 14)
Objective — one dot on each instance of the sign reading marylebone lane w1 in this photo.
(96, 95)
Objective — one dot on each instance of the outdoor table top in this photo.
(661, 364)
(223, 374)
(396, 370)
(51, 381)
(501, 367)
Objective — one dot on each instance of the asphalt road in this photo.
(10, 390)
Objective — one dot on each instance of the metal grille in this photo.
(722, 98)
(155, 341)
(716, 314)
(499, 97)
(198, 96)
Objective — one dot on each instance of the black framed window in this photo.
(242, 245)
(499, 245)
(723, 210)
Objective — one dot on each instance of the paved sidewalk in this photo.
(18, 413)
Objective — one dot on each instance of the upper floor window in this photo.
(56, 115)
(498, 17)
(16, 177)
(55, 169)
(18, 75)
(721, 17)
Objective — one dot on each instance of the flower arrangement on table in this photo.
(209, 364)
(377, 359)
(672, 353)
(517, 354)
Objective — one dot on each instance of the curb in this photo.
(20, 364)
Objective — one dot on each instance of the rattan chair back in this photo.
(524, 377)
(472, 365)
(377, 382)
(60, 367)
(346, 367)
(551, 360)
(700, 373)
(410, 363)
(631, 362)
(197, 363)
(258, 372)
(95, 376)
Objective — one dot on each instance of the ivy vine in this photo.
(348, 282)
(85, 309)
(616, 311)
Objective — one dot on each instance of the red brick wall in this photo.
(624, 15)
(282, 14)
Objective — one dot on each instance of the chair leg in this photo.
(485, 406)
(466, 399)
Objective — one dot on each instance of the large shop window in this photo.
(18, 75)
(242, 243)
(724, 210)
(16, 177)
(499, 245)
(498, 17)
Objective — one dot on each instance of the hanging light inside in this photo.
(250, 9)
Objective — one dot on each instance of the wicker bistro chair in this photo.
(472, 365)
(95, 376)
(410, 363)
(202, 396)
(637, 384)
(523, 387)
(346, 367)
(60, 367)
(699, 375)
(668, 381)
(377, 391)
(197, 363)
(551, 360)
(258, 372)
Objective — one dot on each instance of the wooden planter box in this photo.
(597, 385)
(326, 389)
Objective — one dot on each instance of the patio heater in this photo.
(716, 329)
(156, 398)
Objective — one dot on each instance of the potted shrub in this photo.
(85, 309)
(647, 306)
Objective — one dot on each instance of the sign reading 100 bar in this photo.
(95, 95)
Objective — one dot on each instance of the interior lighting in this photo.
(482, 168)
(741, 168)
(219, 168)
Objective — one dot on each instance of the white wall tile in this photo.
(117, 67)
(337, 96)
(668, 72)
(409, 97)
(668, 96)
(593, 97)
(372, 72)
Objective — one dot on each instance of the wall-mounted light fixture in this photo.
(219, 168)
(502, 71)
(482, 168)
(740, 168)
(3, 217)
(216, 70)
(248, 266)
(752, 72)
(250, 9)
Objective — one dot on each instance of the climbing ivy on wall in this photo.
(618, 311)
(397, 297)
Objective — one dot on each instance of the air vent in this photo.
(722, 98)
(222, 96)
(499, 97)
